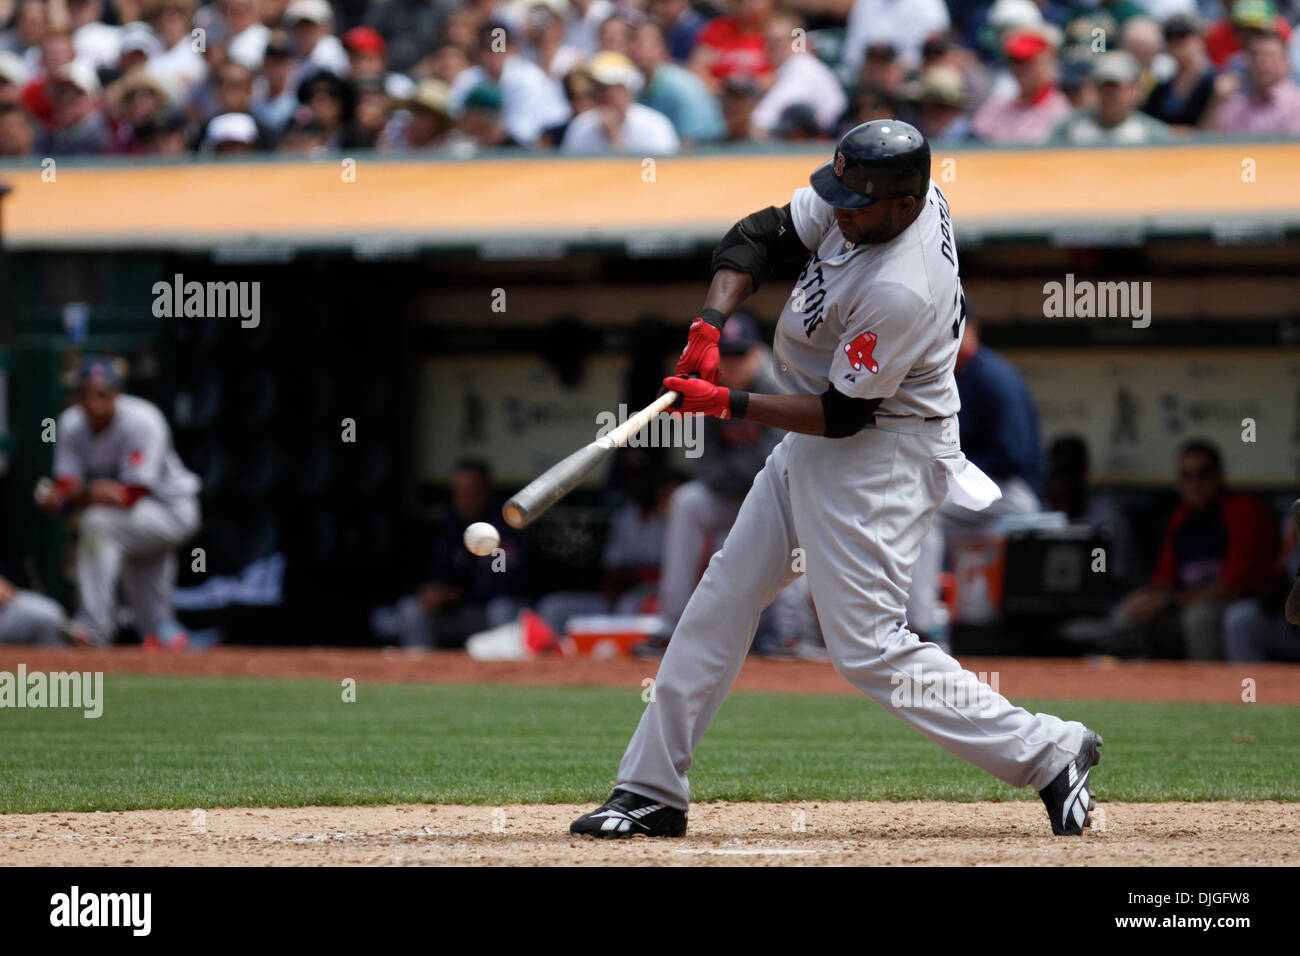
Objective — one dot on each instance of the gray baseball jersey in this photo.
(875, 320)
(135, 449)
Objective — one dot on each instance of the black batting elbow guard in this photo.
(847, 416)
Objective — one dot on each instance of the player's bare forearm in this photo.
(794, 413)
(728, 290)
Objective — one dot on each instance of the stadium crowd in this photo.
(453, 77)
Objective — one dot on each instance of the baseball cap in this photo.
(101, 370)
(739, 335)
(1007, 15)
(230, 128)
(139, 37)
(1118, 66)
(1022, 45)
(313, 11)
(484, 96)
(614, 69)
(433, 95)
(942, 84)
(1182, 25)
(82, 75)
(279, 44)
(1254, 14)
(364, 40)
(12, 68)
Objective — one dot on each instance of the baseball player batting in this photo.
(864, 351)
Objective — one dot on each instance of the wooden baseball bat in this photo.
(561, 478)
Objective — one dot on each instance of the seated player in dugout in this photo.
(865, 350)
(118, 475)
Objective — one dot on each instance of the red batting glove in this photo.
(697, 395)
(700, 357)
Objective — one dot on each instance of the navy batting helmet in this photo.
(883, 159)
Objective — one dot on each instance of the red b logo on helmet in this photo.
(839, 164)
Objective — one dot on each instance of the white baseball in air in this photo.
(481, 538)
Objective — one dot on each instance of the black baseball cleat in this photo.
(1067, 797)
(625, 814)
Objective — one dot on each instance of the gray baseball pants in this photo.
(859, 507)
(136, 545)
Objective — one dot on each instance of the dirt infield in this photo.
(1096, 679)
(720, 834)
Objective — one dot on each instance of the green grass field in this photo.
(188, 742)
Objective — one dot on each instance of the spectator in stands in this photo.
(1246, 18)
(409, 28)
(1077, 84)
(999, 434)
(311, 24)
(1143, 39)
(903, 24)
(580, 93)
(732, 46)
(1116, 120)
(681, 24)
(426, 122)
(799, 78)
(96, 42)
(633, 548)
(30, 618)
(1272, 104)
(530, 100)
(942, 105)
(79, 126)
(463, 594)
(245, 35)
(304, 134)
(137, 96)
(481, 125)
(1219, 546)
(740, 94)
(1182, 99)
(618, 122)
(1066, 489)
(275, 96)
(1037, 107)
(367, 53)
(17, 138)
(446, 62)
(544, 35)
(332, 101)
(674, 90)
(179, 67)
(371, 113)
(28, 28)
(234, 94)
(138, 47)
(882, 69)
(701, 511)
(37, 96)
(163, 134)
(614, 35)
(869, 103)
(1255, 628)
